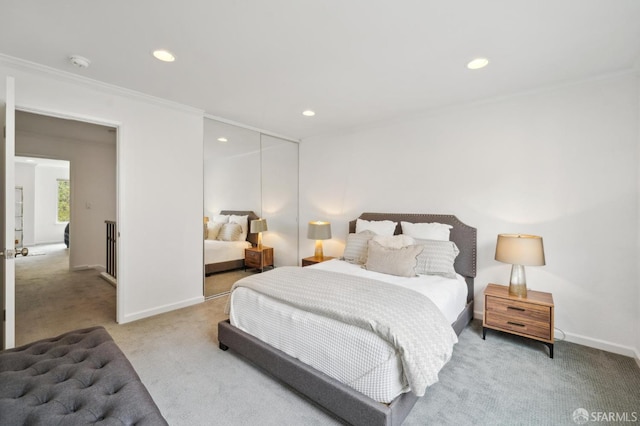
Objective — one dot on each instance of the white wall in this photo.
(231, 169)
(40, 201)
(560, 163)
(25, 174)
(280, 199)
(637, 321)
(46, 227)
(93, 193)
(160, 184)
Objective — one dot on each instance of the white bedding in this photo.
(354, 356)
(223, 251)
(449, 295)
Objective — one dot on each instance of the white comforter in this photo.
(412, 324)
(449, 295)
(223, 251)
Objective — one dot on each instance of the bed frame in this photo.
(334, 396)
(230, 265)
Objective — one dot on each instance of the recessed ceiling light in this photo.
(164, 55)
(30, 160)
(308, 113)
(478, 63)
(222, 139)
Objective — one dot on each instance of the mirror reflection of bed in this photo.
(226, 237)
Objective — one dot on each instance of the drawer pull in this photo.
(516, 324)
(516, 309)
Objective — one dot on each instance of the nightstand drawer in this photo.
(254, 257)
(518, 310)
(537, 329)
(258, 258)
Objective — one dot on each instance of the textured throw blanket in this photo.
(408, 320)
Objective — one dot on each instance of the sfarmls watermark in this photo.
(582, 416)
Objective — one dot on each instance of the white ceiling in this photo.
(354, 62)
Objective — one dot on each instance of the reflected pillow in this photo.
(220, 218)
(230, 232)
(426, 231)
(437, 258)
(401, 262)
(213, 229)
(243, 221)
(380, 227)
(355, 251)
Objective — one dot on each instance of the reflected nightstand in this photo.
(313, 260)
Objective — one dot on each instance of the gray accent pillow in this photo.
(393, 261)
(230, 232)
(356, 248)
(437, 258)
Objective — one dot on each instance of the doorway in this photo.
(73, 272)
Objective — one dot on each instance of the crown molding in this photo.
(67, 77)
(246, 126)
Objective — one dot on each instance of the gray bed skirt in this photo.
(338, 398)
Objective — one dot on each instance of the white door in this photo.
(7, 188)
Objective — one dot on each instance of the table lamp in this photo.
(206, 228)
(319, 231)
(519, 250)
(258, 226)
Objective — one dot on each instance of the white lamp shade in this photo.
(520, 249)
(319, 230)
(258, 225)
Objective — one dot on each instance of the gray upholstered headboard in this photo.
(462, 234)
(252, 238)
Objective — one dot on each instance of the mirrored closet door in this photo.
(247, 173)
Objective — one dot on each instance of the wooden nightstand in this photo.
(530, 316)
(313, 260)
(258, 258)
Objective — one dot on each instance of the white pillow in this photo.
(230, 232)
(426, 231)
(213, 229)
(220, 218)
(380, 227)
(243, 221)
(395, 241)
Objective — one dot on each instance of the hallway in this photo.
(51, 300)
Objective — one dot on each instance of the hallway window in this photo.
(63, 200)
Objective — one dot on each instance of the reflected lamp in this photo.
(258, 226)
(519, 250)
(319, 231)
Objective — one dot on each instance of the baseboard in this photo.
(591, 342)
(98, 268)
(108, 278)
(161, 309)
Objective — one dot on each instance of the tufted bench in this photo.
(77, 378)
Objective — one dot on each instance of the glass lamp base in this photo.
(518, 282)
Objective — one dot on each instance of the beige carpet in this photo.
(51, 300)
(221, 282)
(504, 380)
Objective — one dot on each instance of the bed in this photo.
(327, 387)
(221, 256)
